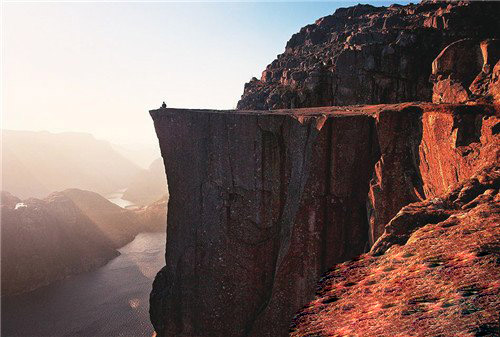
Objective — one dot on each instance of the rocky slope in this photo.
(434, 272)
(153, 216)
(262, 203)
(66, 233)
(369, 55)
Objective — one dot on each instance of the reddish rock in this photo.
(425, 154)
(449, 91)
(464, 71)
(370, 55)
(494, 87)
(462, 60)
(438, 275)
(262, 203)
(153, 216)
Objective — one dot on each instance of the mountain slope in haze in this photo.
(37, 163)
(154, 216)
(139, 153)
(117, 224)
(149, 185)
(47, 240)
(66, 233)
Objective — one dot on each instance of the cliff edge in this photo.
(267, 198)
(262, 203)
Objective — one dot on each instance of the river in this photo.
(110, 301)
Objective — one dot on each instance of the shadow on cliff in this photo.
(397, 180)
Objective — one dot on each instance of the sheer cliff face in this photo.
(368, 55)
(262, 203)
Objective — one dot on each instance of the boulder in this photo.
(464, 71)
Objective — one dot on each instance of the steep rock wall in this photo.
(262, 203)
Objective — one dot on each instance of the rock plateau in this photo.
(267, 198)
(262, 203)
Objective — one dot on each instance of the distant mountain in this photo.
(148, 185)
(65, 233)
(118, 224)
(46, 240)
(140, 154)
(37, 163)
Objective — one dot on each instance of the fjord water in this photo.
(117, 199)
(110, 301)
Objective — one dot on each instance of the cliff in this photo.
(262, 203)
(371, 55)
(439, 275)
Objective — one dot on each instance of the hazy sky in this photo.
(99, 67)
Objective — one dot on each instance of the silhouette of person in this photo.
(164, 105)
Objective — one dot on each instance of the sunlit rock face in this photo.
(438, 277)
(467, 70)
(369, 55)
(262, 203)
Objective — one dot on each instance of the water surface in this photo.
(117, 199)
(110, 301)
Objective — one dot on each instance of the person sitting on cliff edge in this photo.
(163, 105)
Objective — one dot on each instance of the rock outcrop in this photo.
(438, 275)
(371, 55)
(262, 203)
(467, 70)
